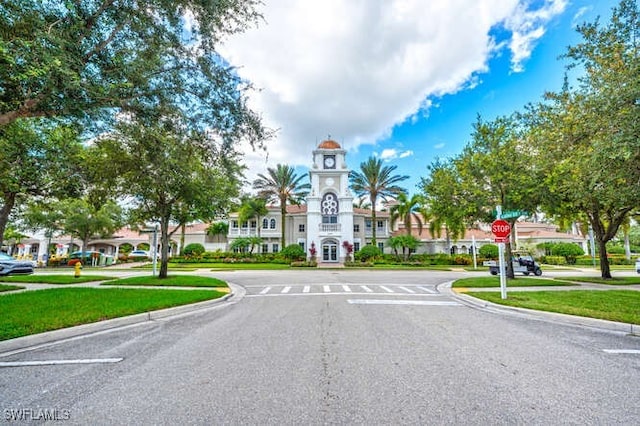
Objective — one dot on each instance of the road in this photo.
(332, 347)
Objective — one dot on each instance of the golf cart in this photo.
(522, 263)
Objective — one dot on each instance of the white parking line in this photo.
(286, 289)
(346, 288)
(60, 362)
(387, 289)
(408, 290)
(265, 290)
(622, 351)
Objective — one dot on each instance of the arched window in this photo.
(272, 224)
(265, 223)
(329, 208)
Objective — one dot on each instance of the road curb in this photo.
(599, 324)
(20, 344)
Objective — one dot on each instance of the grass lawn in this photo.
(612, 305)
(171, 280)
(612, 281)
(38, 311)
(5, 287)
(54, 279)
(495, 282)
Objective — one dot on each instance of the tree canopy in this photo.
(89, 59)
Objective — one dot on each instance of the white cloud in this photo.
(439, 145)
(356, 68)
(528, 26)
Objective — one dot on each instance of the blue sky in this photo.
(400, 79)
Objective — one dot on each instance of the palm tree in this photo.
(253, 207)
(282, 184)
(409, 209)
(374, 180)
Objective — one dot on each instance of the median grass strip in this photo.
(612, 305)
(5, 287)
(171, 280)
(54, 279)
(483, 282)
(608, 281)
(38, 311)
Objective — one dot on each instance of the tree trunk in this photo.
(182, 231)
(283, 222)
(9, 200)
(164, 247)
(604, 260)
(373, 224)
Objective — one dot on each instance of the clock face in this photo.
(329, 162)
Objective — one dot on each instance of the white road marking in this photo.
(60, 362)
(428, 290)
(387, 289)
(346, 288)
(622, 351)
(402, 302)
(367, 289)
(265, 290)
(306, 289)
(327, 289)
(408, 290)
(286, 290)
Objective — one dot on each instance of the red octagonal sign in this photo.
(501, 228)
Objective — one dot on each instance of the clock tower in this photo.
(330, 203)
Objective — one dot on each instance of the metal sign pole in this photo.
(503, 272)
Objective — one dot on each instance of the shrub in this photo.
(368, 253)
(569, 251)
(489, 251)
(554, 260)
(358, 264)
(293, 252)
(194, 250)
(304, 264)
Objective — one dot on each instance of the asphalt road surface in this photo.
(331, 347)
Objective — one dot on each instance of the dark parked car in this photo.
(10, 265)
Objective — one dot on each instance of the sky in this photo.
(402, 80)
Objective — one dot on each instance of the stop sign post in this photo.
(501, 230)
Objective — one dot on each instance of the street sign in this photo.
(500, 228)
(510, 214)
(498, 240)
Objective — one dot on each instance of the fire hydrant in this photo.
(77, 267)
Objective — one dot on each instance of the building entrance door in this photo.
(329, 252)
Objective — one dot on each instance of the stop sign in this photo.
(501, 228)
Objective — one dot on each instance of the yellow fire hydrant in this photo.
(77, 267)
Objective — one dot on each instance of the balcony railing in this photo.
(379, 231)
(243, 232)
(330, 227)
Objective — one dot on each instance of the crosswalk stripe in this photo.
(327, 289)
(428, 290)
(306, 289)
(408, 290)
(346, 288)
(387, 289)
(265, 290)
(286, 289)
(402, 302)
(367, 289)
